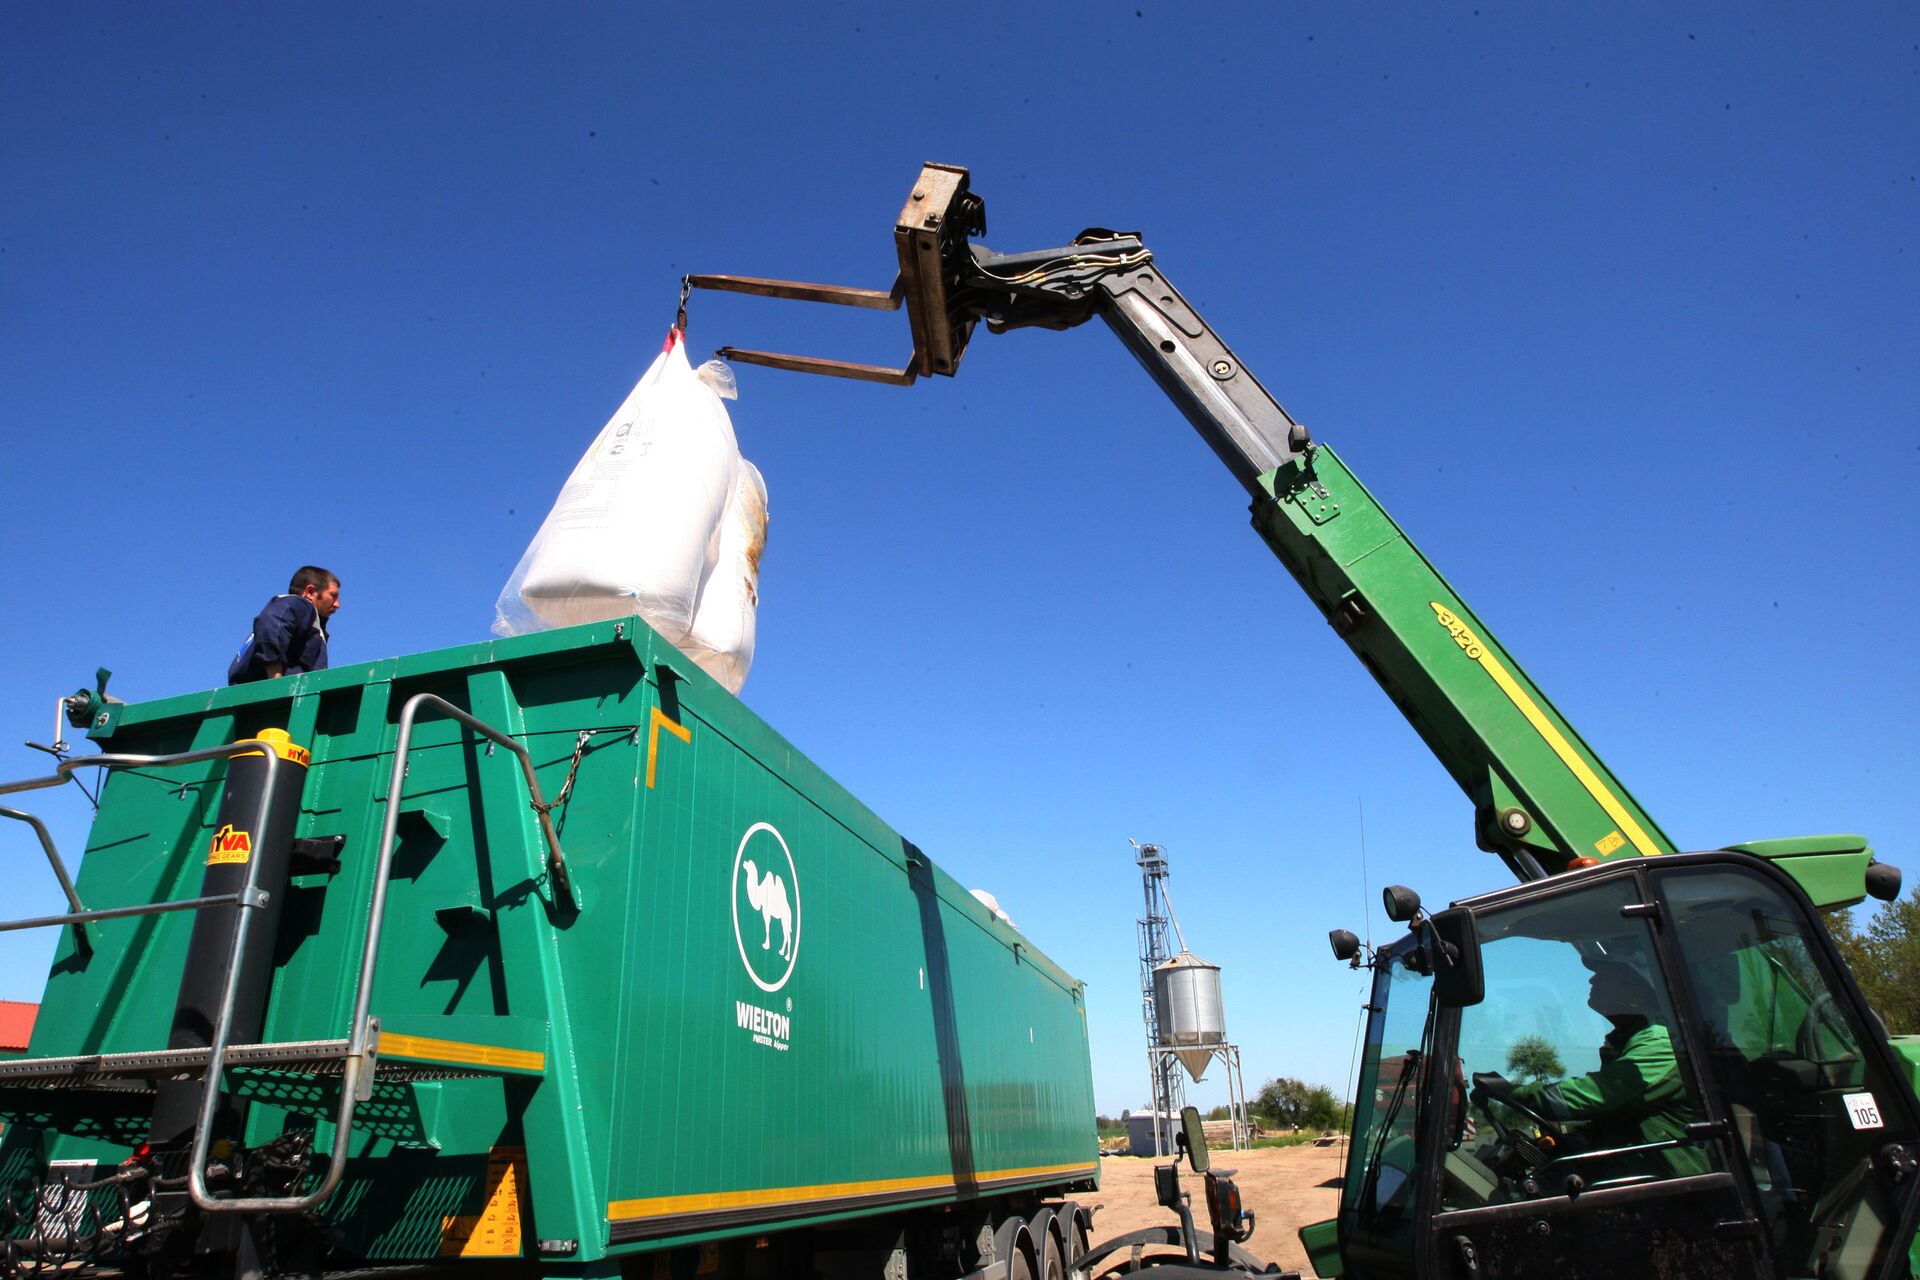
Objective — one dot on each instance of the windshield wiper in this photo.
(1370, 1184)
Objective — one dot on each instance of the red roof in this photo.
(16, 1023)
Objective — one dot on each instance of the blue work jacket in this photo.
(288, 631)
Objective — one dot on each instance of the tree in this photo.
(1885, 960)
(1534, 1058)
(1125, 1115)
(1282, 1102)
(1324, 1111)
(1851, 944)
(1286, 1103)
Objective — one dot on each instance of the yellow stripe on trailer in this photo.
(709, 1201)
(427, 1049)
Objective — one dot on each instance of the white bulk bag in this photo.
(721, 640)
(636, 527)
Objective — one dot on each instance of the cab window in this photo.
(1573, 1071)
(1382, 1165)
(1809, 1107)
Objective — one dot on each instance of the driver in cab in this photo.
(1636, 1096)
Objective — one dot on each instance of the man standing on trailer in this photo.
(290, 635)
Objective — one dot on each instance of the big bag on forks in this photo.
(636, 528)
(724, 621)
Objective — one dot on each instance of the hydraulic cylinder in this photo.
(241, 846)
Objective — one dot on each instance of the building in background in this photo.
(16, 1027)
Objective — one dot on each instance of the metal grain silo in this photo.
(1186, 995)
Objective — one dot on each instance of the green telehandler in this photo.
(1702, 1090)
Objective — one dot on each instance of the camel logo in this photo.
(764, 880)
(229, 846)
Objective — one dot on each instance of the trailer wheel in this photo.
(1079, 1240)
(1043, 1229)
(1051, 1266)
(1014, 1241)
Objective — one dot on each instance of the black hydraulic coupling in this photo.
(244, 854)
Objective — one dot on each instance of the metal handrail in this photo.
(356, 1082)
(362, 1045)
(556, 859)
(80, 938)
(248, 896)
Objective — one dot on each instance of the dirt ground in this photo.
(1284, 1187)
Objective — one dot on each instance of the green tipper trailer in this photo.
(665, 986)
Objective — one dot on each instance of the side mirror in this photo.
(1194, 1135)
(1458, 980)
(1403, 904)
(1345, 944)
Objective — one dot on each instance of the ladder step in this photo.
(136, 1072)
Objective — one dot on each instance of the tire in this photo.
(1078, 1241)
(1052, 1266)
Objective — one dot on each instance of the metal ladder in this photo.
(356, 1057)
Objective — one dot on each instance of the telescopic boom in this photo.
(1543, 800)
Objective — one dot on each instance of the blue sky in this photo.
(1612, 306)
